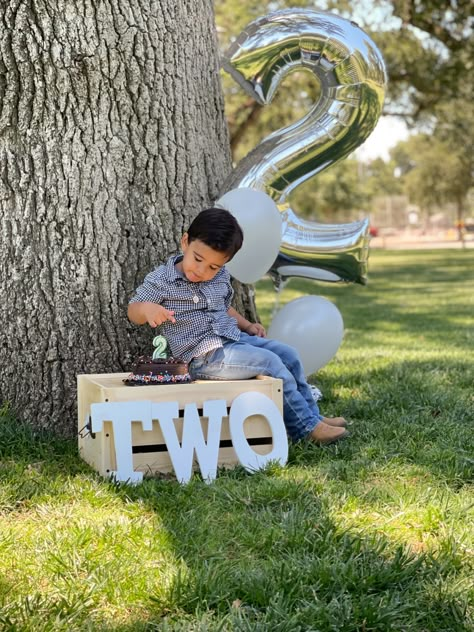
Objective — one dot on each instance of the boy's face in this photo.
(200, 262)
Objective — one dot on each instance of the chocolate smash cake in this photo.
(158, 369)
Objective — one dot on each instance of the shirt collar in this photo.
(170, 269)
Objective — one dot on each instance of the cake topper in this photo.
(161, 347)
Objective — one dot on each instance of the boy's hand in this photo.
(156, 315)
(256, 329)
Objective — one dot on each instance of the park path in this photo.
(401, 242)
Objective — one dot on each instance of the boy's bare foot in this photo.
(338, 422)
(324, 434)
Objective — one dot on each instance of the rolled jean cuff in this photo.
(306, 430)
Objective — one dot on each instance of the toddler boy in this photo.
(189, 298)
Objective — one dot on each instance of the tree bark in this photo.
(112, 137)
(253, 112)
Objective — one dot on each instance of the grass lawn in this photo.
(376, 533)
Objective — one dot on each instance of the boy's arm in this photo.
(151, 313)
(253, 329)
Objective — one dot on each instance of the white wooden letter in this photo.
(182, 456)
(208, 454)
(121, 414)
(253, 403)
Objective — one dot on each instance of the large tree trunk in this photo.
(112, 137)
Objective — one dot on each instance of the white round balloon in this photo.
(313, 326)
(260, 220)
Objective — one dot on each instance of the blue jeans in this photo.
(251, 356)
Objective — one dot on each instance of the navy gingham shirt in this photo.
(200, 309)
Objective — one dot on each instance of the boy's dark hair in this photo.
(218, 229)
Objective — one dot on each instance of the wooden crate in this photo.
(149, 450)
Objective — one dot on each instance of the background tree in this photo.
(455, 129)
(112, 137)
(433, 173)
(429, 54)
(339, 191)
(379, 178)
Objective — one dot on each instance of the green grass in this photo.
(373, 534)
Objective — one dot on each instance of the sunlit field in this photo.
(373, 533)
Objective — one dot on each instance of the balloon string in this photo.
(276, 304)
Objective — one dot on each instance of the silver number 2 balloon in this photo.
(352, 76)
